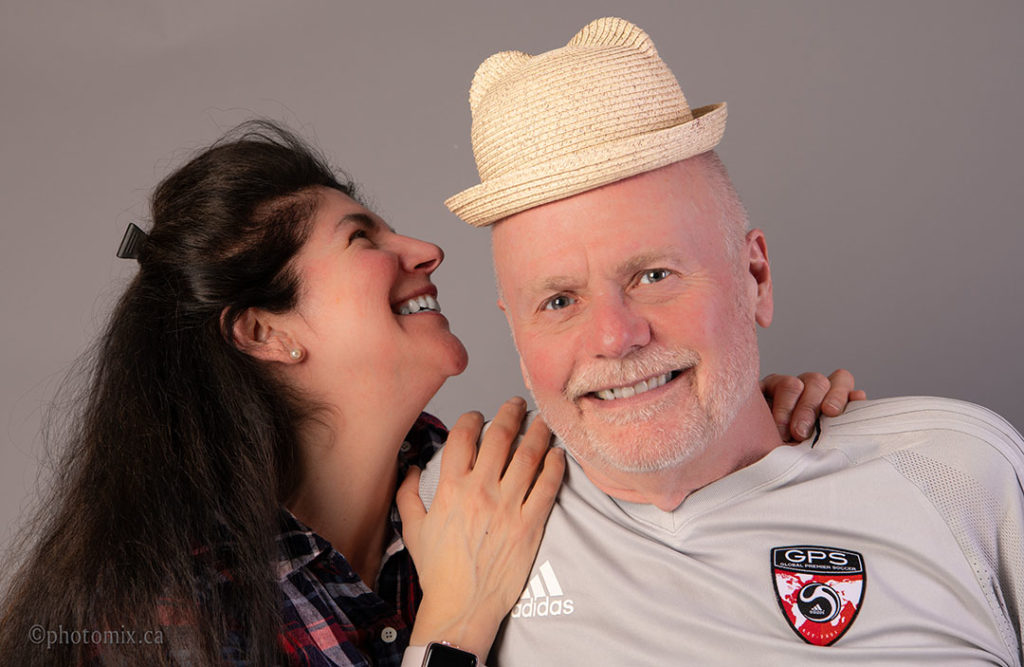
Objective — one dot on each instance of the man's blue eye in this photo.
(558, 302)
(653, 276)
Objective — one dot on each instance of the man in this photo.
(685, 533)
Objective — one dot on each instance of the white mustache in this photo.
(627, 371)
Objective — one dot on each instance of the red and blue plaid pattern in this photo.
(330, 617)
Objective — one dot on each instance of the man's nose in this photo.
(616, 328)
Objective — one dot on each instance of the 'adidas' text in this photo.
(543, 596)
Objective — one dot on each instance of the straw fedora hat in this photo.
(600, 109)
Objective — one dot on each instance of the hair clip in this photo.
(131, 242)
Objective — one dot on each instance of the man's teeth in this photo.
(416, 304)
(638, 388)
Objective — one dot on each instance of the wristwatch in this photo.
(443, 654)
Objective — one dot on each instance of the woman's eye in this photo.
(559, 302)
(358, 234)
(653, 276)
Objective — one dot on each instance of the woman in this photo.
(237, 447)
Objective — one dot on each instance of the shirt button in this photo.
(405, 446)
(388, 635)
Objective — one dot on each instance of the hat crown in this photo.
(602, 108)
(607, 84)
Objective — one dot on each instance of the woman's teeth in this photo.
(638, 388)
(416, 304)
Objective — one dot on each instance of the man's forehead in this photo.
(671, 192)
(530, 261)
(688, 182)
(666, 218)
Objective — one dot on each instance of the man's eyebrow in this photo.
(557, 284)
(645, 261)
(626, 268)
(365, 221)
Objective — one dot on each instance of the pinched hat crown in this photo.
(602, 108)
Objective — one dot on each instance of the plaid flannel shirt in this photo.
(330, 617)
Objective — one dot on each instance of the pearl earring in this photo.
(296, 354)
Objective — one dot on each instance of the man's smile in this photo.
(628, 391)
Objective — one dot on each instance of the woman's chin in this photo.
(449, 360)
(459, 358)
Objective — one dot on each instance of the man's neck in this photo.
(750, 436)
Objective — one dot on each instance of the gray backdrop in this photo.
(877, 142)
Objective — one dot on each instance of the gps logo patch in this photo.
(819, 590)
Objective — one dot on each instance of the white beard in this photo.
(659, 435)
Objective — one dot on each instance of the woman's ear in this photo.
(259, 334)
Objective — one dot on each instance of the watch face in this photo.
(440, 655)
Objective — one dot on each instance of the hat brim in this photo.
(569, 175)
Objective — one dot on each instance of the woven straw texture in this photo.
(602, 108)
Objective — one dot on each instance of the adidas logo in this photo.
(543, 596)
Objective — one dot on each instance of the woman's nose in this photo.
(420, 256)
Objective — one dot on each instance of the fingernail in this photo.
(803, 428)
(832, 405)
(518, 400)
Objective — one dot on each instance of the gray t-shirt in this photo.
(896, 536)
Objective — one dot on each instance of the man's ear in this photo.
(760, 270)
(258, 333)
(522, 366)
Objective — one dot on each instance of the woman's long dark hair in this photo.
(163, 508)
